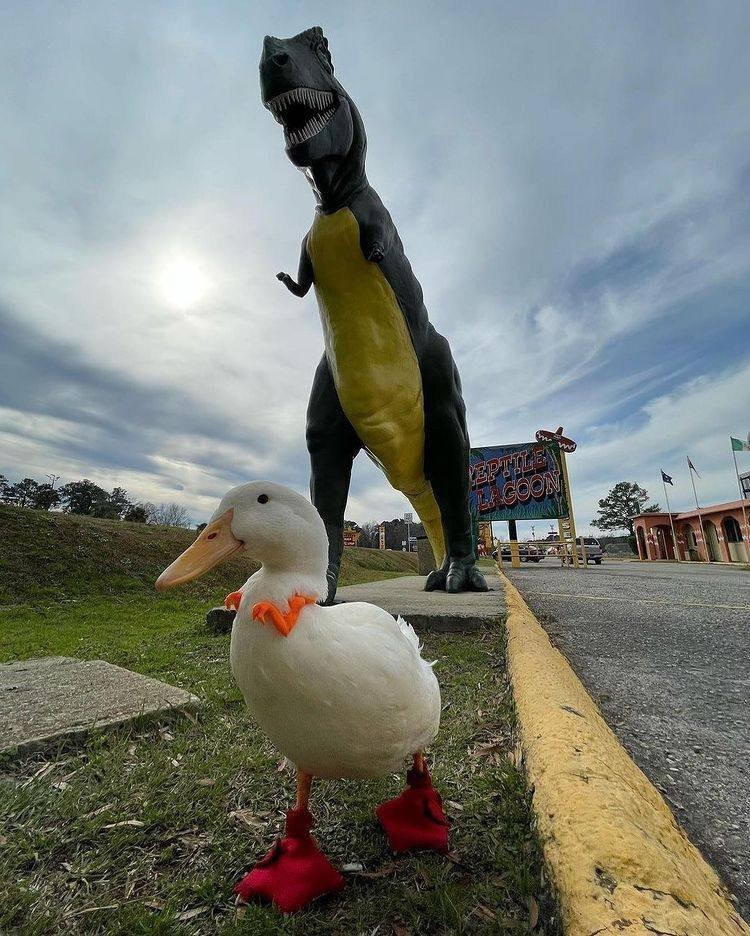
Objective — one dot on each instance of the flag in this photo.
(739, 446)
(692, 466)
(666, 478)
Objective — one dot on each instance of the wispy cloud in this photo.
(572, 191)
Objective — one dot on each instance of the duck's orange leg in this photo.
(304, 782)
(415, 819)
(295, 871)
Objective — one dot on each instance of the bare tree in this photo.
(170, 514)
(369, 534)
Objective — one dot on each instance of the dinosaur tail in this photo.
(427, 509)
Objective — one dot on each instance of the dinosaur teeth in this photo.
(320, 104)
(308, 96)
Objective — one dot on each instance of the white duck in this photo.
(341, 691)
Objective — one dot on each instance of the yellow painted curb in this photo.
(619, 862)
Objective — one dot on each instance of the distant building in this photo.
(745, 484)
(727, 538)
(392, 534)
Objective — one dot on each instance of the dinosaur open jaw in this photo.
(302, 112)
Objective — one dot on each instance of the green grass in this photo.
(144, 830)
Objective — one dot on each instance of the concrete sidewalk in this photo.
(437, 611)
(52, 699)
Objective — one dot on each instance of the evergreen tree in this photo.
(82, 497)
(45, 497)
(617, 509)
(23, 493)
(138, 513)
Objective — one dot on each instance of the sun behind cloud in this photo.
(182, 282)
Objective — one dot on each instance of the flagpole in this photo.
(746, 534)
(671, 521)
(700, 518)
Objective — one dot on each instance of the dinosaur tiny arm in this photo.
(304, 274)
(376, 230)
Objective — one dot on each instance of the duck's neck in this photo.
(278, 584)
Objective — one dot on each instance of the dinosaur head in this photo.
(321, 123)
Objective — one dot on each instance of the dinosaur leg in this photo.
(447, 467)
(332, 444)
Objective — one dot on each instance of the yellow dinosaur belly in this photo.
(372, 359)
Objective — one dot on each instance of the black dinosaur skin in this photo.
(334, 162)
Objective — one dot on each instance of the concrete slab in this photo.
(47, 700)
(436, 611)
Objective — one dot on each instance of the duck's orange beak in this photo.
(214, 544)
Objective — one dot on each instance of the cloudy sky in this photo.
(571, 182)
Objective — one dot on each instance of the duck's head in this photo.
(271, 523)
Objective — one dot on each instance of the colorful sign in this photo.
(566, 444)
(518, 482)
(381, 536)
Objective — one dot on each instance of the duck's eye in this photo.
(263, 498)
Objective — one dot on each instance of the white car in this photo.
(594, 550)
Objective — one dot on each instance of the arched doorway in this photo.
(733, 538)
(691, 544)
(664, 542)
(712, 541)
(642, 552)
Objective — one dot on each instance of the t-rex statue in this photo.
(387, 381)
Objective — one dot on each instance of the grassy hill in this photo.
(52, 556)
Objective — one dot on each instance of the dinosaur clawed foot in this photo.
(457, 574)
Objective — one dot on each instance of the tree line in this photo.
(89, 499)
(616, 510)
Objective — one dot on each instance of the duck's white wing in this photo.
(347, 693)
(360, 615)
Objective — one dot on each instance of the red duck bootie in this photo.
(415, 819)
(294, 871)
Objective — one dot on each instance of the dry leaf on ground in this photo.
(533, 912)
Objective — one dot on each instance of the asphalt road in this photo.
(663, 649)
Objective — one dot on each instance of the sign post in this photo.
(515, 557)
(566, 522)
(571, 521)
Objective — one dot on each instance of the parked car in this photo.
(594, 549)
(527, 552)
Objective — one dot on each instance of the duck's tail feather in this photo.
(411, 635)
